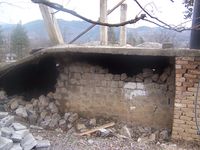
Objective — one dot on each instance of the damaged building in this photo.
(142, 87)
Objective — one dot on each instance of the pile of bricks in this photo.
(187, 78)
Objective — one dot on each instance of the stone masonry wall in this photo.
(143, 99)
(187, 78)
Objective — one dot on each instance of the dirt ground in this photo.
(72, 141)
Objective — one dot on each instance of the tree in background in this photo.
(189, 5)
(19, 41)
(111, 36)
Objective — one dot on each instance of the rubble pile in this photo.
(15, 136)
(43, 111)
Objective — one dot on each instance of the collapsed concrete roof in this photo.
(74, 49)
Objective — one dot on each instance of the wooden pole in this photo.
(93, 25)
(103, 18)
(123, 12)
(51, 25)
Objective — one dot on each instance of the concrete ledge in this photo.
(74, 49)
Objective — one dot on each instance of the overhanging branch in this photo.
(61, 8)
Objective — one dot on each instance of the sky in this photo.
(26, 11)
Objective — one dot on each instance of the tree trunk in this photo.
(195, 34)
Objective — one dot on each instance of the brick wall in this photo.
(187, 77)
(146, 98)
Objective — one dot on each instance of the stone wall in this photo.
(187, 78)
(146, 98)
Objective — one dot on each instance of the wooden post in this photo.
(123, 12)
(51, 25)
(103, 18)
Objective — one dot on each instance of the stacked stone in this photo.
(187, 78)
(43, 111)
(15, 136)
(91, 90)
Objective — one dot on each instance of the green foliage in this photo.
(19, 41)
(111, 36)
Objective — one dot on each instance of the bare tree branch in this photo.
(11, 4)
(61, 8)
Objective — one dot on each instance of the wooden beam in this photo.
(51, 25)
(97, 129)
(123, 12)
(103, 18)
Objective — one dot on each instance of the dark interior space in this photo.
(31, 80)
(118, 64)
(34, 79)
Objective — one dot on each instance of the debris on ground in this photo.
(16, 136)
(40, 124)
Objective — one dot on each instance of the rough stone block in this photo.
(43, 144)
(18, 126)
(21, 111)
(3, 114)
(130, 85)
(16, 146)
(28, 142)
(5, 144)
(17, 136)
(6, 121)
(6, 132)
(123, 76)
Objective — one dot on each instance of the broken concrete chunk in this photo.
(3, 114)
(66, 116)
(73, 117)
(16, 146)
(62, 122)
(36, 127)
(28, 142)
(17, 136)
(80, 126)
(53, 108)
(6, 132)
(93, 122)
(7, 121)
(164, 135)
(14, 105)
(5, 144)
(21, 112)
(43, 144)
(18, 126)
(43, 101)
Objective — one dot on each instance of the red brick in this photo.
(190, 76)
(189, 66)
(181, 62)
(181, 88)
(188, 84)
(195, 72)
(180, 71)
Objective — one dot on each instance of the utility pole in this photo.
(123, 12)
(103, 18)
(195, 34)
